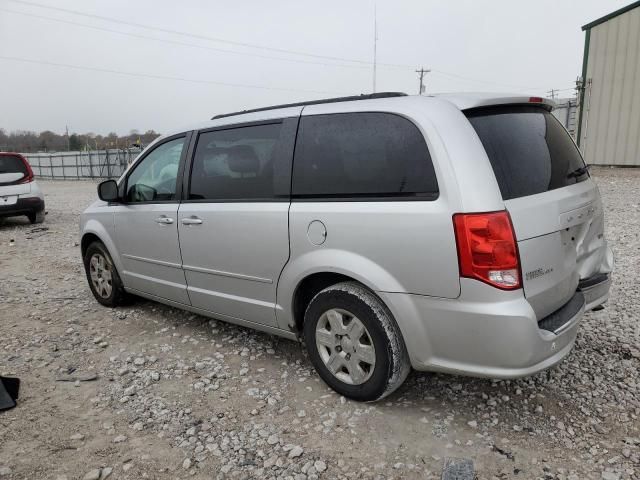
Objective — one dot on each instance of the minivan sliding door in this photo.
(233, 221)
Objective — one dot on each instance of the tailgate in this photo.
(14, 190)
(561, 241)
(554, 205)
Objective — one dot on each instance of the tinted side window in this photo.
(237, 163)
(529, 150)
(155, 177)
(362, 155)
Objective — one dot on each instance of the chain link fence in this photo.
(77, 165)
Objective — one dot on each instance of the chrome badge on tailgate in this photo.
(539, 272)
(578, 216)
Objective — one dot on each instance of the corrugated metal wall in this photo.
(610, 132)
(566, 112)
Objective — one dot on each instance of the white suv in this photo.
(457, 234)
(19, 193)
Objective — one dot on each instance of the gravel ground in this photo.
(148, 391)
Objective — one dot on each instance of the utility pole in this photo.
(552, 93)
(422, 72)
(579, 88)
(375, 43)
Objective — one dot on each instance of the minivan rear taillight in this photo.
(487, 249)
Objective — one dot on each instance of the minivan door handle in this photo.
(164, 220)
(191, 221)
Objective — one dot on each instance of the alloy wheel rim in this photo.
(345, 346)
(100, 272)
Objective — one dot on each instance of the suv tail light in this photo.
(487, 249)
(29, 177)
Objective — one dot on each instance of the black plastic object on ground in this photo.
(9, 388)
(458, 469)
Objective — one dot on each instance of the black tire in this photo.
(36, 217)
(117, 295)
(391, 365)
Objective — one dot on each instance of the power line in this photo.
(202, 37)
(164, 77)
(185, 44)
(247, 45)
(547, 92)
(455, 75)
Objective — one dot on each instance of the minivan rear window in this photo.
(358, 156)
(529, 150)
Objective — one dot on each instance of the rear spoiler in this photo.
(471, 101)
(545, 103)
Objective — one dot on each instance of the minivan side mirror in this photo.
(108, 191)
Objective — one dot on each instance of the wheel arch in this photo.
(308, 288)
(314, 271)
(95, 231)
(88, 239)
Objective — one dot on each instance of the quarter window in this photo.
(235, 164)
(362, 155)
(154, 179)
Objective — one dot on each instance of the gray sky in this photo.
(471, 45)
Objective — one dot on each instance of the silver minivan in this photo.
(449, 233)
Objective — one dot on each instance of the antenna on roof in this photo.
(375, 43)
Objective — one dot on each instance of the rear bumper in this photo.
(485, 332)
(23, 206)
(595, 290)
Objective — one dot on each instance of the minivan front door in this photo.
(147, 225)
(233, 223)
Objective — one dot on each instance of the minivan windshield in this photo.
(529, 150)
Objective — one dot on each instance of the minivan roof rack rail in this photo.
(316, 102)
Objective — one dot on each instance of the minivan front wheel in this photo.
(354, 342)
(103, 277)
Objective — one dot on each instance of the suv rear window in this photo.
(529, 150)
(12, 164)
(362, 156)
(9, 166)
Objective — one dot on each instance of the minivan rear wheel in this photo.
(103, 278)
(354, 342)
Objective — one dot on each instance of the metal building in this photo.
(609, 119)
(565, 111)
